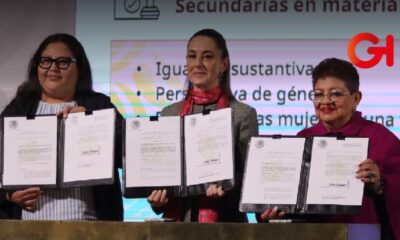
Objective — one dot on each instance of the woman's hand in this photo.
(271, 213)
(26, 198)
(158, 198)
(368, 172)
(71, 109)
(215, 191)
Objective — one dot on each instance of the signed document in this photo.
(332, 177)
(30, 151)
(304, 175)
(179, 154)
(89, 146)
(153, 152)
(209, 147)
(272, 172)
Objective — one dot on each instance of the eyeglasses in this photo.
(334, 96)
(61, 62)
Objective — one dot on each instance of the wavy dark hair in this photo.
(31, 89)
(219, 40)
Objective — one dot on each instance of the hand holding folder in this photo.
(48, 152)
(314, 175)
(184, 155)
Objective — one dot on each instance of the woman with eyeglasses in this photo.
(60, 82)
(335, 99)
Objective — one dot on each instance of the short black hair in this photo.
(340, 69)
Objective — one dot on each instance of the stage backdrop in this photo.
(137, 49)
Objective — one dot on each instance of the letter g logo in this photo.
(377, 52)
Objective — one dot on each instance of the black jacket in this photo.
(107, 198)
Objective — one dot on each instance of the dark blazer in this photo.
(107, 198)
(245, 126)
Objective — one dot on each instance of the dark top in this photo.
(107, 198)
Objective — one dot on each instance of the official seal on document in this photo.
(260, 144)
(135, 124)
(74, 120)
(322, 143)
(13, 124)
(192, 122)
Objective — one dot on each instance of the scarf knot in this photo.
(201, 97)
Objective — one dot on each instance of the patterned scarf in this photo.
(201, 97)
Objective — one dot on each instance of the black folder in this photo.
(39, 150)
(300, 205)
(177, 190)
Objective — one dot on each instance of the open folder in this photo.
(313, 175)
(49, 152)
(181, 154)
